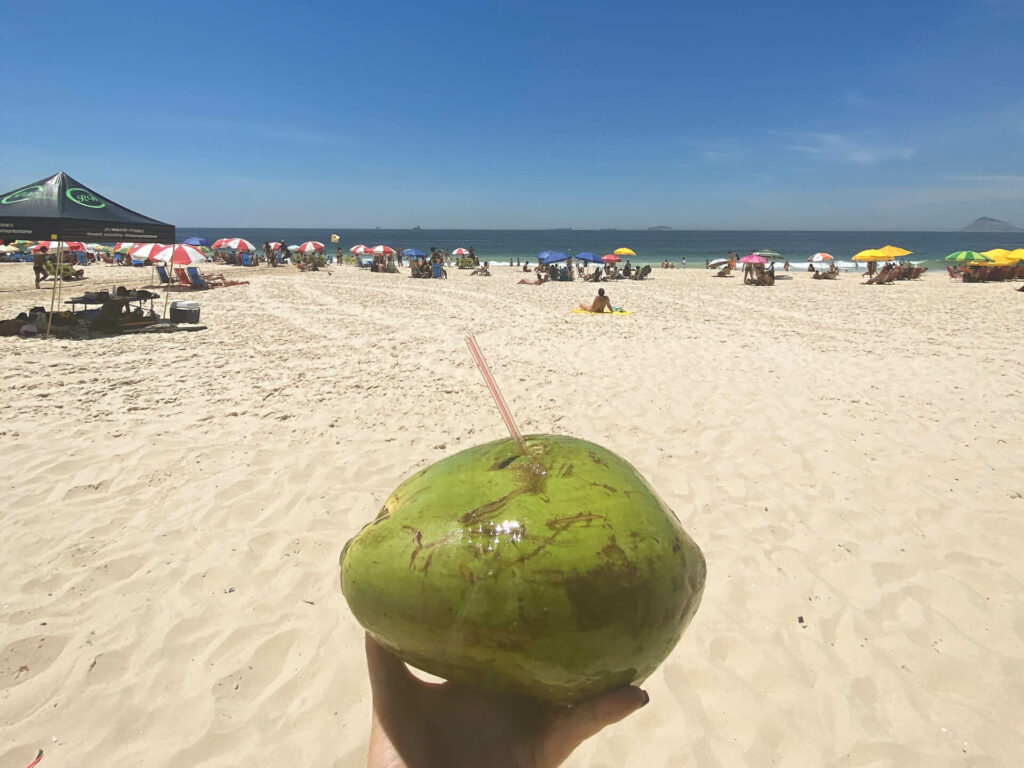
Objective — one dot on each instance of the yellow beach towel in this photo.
(615, 311)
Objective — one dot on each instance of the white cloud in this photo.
(834, 147)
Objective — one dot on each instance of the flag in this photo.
(335, 238)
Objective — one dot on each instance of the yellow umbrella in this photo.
(623, 252)
(1002, 257)
(893, 252)
(871, 254)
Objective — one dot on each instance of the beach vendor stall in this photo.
(60, 208)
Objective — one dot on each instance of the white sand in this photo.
(173, 508)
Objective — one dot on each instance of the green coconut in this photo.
(558, 574)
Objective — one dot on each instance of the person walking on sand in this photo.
(39, 263)
(601, 303)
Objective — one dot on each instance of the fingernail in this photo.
(647, 697)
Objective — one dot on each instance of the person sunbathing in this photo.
(482, 271)
(541, 279)
(601, 303)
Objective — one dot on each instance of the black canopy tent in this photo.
(60, 208)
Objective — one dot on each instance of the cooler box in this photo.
(184, 311)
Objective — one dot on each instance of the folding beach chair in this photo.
(246, 260)
(161, 272)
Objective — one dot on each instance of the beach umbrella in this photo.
(123, 247)
(23, 243)
(195, 241)
(274, 245)
(550, 257)
(624, 252)
(312, 246)
(718, 262)
(460, 252)
(753, 258)
(145, 251)
(382, 250)
(820, 257)
(610, 257)
(769, 254)
(413, 253)
(587, 256)
(871, 254)
(9, 249)
(1003, 257)
(234, 243)
(54, 245)
(969, 256)
(179, 254)
(293, 248)
(893, 252)
(358, 249)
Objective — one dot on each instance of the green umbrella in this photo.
(769, 254)
(967, 256)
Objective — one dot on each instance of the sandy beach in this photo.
(848, 457)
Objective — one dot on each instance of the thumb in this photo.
(589, 717)
(389, 677)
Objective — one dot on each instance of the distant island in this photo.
(658, 229)
(985, 224)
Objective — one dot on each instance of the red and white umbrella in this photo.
(359, 249)
(274, 245)
(54, 245)
(821, 257)
(235, 244)
(145, 251)
(609, 258)
(311, 246)
(460, 252)
(179, 254)
(383, 250)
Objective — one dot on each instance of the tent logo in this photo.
(84, 197)
(26, 193)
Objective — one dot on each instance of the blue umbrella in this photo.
(197, 241)
(550, 257)
(413, 252)
(593, 258)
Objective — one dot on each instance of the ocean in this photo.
(651, 247)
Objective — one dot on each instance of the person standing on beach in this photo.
(39, 263)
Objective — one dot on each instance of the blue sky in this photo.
(803, 115)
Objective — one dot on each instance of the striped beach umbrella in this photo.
(235, 244)
(179, 254)
(359, 249)
(123, 247)
(964, 257)
(311, 246)
(820, 257)
(145, 251)
(55, 245)
(382, 250)
(274, 245)
(460, 252)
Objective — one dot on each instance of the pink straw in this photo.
(496, 393)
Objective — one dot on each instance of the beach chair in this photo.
(82, 260)
(724, 272)
(196, 280)
(953, 273)
(107, 258)
(438, 272)
(183, 279)
(161, 272)
(246, 260)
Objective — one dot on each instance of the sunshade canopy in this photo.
(59, 206)
(871, 254)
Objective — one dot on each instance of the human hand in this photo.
(449, 725)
